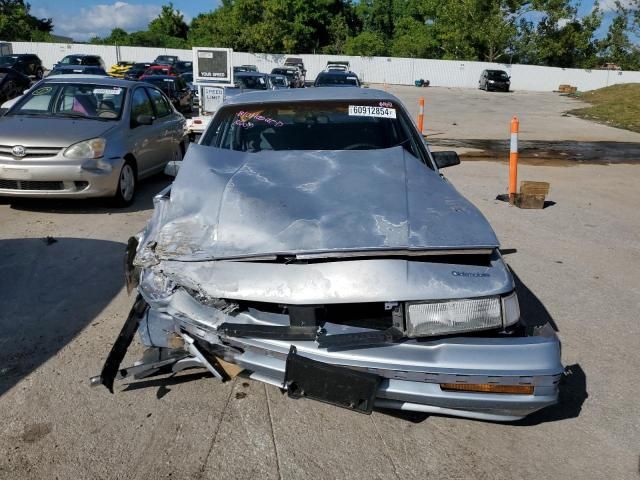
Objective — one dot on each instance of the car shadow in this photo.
(49, 293)
(147, 189)
(532, 310)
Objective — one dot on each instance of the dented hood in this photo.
(227, 204)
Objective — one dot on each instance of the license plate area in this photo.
(340, 386)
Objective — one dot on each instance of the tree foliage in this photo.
(539, 32)
(17, 23)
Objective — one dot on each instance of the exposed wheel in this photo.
(127, 184)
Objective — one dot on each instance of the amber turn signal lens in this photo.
(487, 388)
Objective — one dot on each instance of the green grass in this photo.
(618, 106)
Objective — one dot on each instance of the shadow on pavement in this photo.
(532, 311)
(147, 189)
(48, 294)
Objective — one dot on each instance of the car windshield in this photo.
(8, 60)
(90, 101)
(312, 125)
(71, 60)
(279, 81)
(188, 77)
(283, 71)
(251, 82)
(328, 79)
(497, 75)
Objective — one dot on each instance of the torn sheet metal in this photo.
(228, 204)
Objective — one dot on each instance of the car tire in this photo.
(127, 183)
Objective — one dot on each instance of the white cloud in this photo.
(99, 20)
(610, 5)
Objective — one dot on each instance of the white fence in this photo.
(399, 71)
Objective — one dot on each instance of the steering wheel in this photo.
(361, 146)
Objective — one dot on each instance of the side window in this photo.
(140, 105)
(160, 104)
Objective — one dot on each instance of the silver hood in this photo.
(227, 204)
(49, 131)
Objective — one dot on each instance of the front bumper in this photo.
(56, 177)
(411, 371)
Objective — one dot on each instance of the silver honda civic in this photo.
(79, 136)
(310, 240)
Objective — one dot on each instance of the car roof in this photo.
(337, 73)
(110, 81)
(311, 94)
(74, 67)
(173, 78)
(82, 55)
(250, 74)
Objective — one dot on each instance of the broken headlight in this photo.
(458, 316)
(156, 285)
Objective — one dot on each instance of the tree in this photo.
(366, 44)
(413, 38)
(17, 23)
(617, 47)
(169, 23)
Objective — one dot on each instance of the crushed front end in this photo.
(440, 333)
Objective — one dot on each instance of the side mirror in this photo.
(144, 120)
(446, 159)
(172, 168)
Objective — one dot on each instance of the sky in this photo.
(83, 19)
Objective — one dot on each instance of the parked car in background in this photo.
(137, 70)
(279, 81)
(494, 80)
(336, 78)
(184, 67)
(82, 59)
(247, 257)
(297, 62)
(12, 84)
(74, 136)
(119, 69)
(25, 63)
(176, 89)
(166, 60)
(292, 74)
(252, 81)
(77, 70)
(336, 65)
(245, 68)
(159, 70)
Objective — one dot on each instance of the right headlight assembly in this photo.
(459, 316)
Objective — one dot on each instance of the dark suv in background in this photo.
(25, 63)
(494, 80)
(82, 59)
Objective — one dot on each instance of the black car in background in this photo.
(494, 80)
(12, 84)
(136, 70)
(292, 74)
(166, 60)
(336, 78)
(176, 89)
(25, 63)
(184, 67)
(252, 81)
(82, 59)
(77, 70)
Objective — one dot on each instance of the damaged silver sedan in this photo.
(310, 240)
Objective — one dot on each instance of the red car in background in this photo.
(160, 70)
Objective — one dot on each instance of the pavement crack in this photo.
(215, 434)
(386, 448)
(273, 433)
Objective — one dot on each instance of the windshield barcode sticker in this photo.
(107, 91)
(370, 111)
